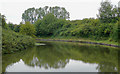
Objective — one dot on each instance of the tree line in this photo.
(53, 22)
(12, 41)
(32, 14)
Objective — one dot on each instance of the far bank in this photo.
(81, 40)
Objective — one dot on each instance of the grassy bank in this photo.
(81, 39)
(12, 42)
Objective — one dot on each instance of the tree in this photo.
(37, 27)
(46, 26)
(17, 28)
(4, 24)
(27, 29)
(107, 13)
(48, 23)
(29, 15)
(115, 14)
(11, 25)
(0, 19)
(33, 14)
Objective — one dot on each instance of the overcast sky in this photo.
(78, 9)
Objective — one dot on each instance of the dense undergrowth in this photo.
(12, 41)
(91, 29)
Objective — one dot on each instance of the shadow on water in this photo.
(56, 55)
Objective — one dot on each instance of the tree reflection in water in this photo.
(57, 54)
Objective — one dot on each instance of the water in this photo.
(62, 57)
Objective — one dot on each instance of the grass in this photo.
(80, 39)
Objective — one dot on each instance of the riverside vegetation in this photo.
(12, 41)
(53, 22)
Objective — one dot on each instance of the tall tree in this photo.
(46, 26)
(33, 14)
(3, 22)
(107, 12)
(29, 15)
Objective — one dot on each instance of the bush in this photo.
(12, 41)
(89, 28)
(28, 29)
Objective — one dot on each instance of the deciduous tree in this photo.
(27, 29)
(33, 14)
(107, 12)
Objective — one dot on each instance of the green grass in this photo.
(80, 39)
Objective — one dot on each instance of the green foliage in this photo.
(107, 12)
(12, 41)
(27, 29)
(47, 25)
(11, 26)
(0, 19)
(87, 28)
(114, 34)
(17, 28)
(4, 24)
(14, 27)
(32, 14)
(119, 30)
(0, 39)
(37, 27)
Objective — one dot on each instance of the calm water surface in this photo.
(62, 57)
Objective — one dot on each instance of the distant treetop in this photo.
(33, 14)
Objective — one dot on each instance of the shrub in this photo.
(28, 29)
(12, 41)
